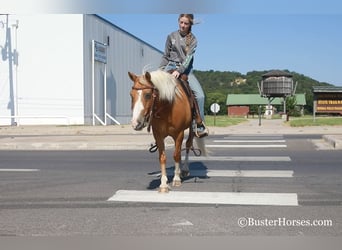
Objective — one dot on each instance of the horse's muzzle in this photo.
(138, 125)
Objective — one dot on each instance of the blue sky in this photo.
(310, 44)
(234, 35)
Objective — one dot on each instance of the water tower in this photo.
(276, 83)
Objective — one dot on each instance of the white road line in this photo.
(243, 173)
(229, 198)
(235, 173)
(246, 146)
(18, 170)
(251, 141)
(238, 158)
(254, 135)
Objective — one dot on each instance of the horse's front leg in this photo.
(177, 159)
(164, 187)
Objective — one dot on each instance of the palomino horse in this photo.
(159, 101)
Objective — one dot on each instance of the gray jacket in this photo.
(175, 51)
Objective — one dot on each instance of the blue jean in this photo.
(194, 85)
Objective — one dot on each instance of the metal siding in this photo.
(47, 83)
(62, 55)
(124, 54)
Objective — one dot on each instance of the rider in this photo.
(178, 57)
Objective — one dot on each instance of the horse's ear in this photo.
(132, 76)
(148, 76)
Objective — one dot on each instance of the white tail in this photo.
(200, 142)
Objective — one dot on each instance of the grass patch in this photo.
(319, 121)
(222, 120)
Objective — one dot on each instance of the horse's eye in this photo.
(148, 96)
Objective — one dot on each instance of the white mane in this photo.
(166, 84)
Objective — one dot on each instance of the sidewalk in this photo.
(123, 137)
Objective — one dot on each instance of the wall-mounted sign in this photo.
(100, 52)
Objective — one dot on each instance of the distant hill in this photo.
(218, 84)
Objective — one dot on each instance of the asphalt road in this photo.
(65, 193)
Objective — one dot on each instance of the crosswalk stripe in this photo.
(18, 170)
(243, 173)
(249, 141)
(234, 173)
(246, 146)
(242, 142)
(228, 198)
(238, 158)
(254, 136)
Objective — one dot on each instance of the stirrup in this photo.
(201, 133)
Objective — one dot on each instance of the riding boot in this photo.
(200, 129)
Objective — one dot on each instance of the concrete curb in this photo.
(123, 137)
(333, 140)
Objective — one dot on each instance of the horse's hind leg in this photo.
(176, 182)
(189, 143)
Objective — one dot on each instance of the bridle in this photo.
(148, 113)
(143, 88)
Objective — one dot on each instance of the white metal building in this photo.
(67, 69)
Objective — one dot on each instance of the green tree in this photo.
(218, 84)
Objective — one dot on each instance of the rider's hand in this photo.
(175, 74)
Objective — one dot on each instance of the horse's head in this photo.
(142, 95)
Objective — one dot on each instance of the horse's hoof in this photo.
(176, 183)
(185, 173)
(163, 190)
